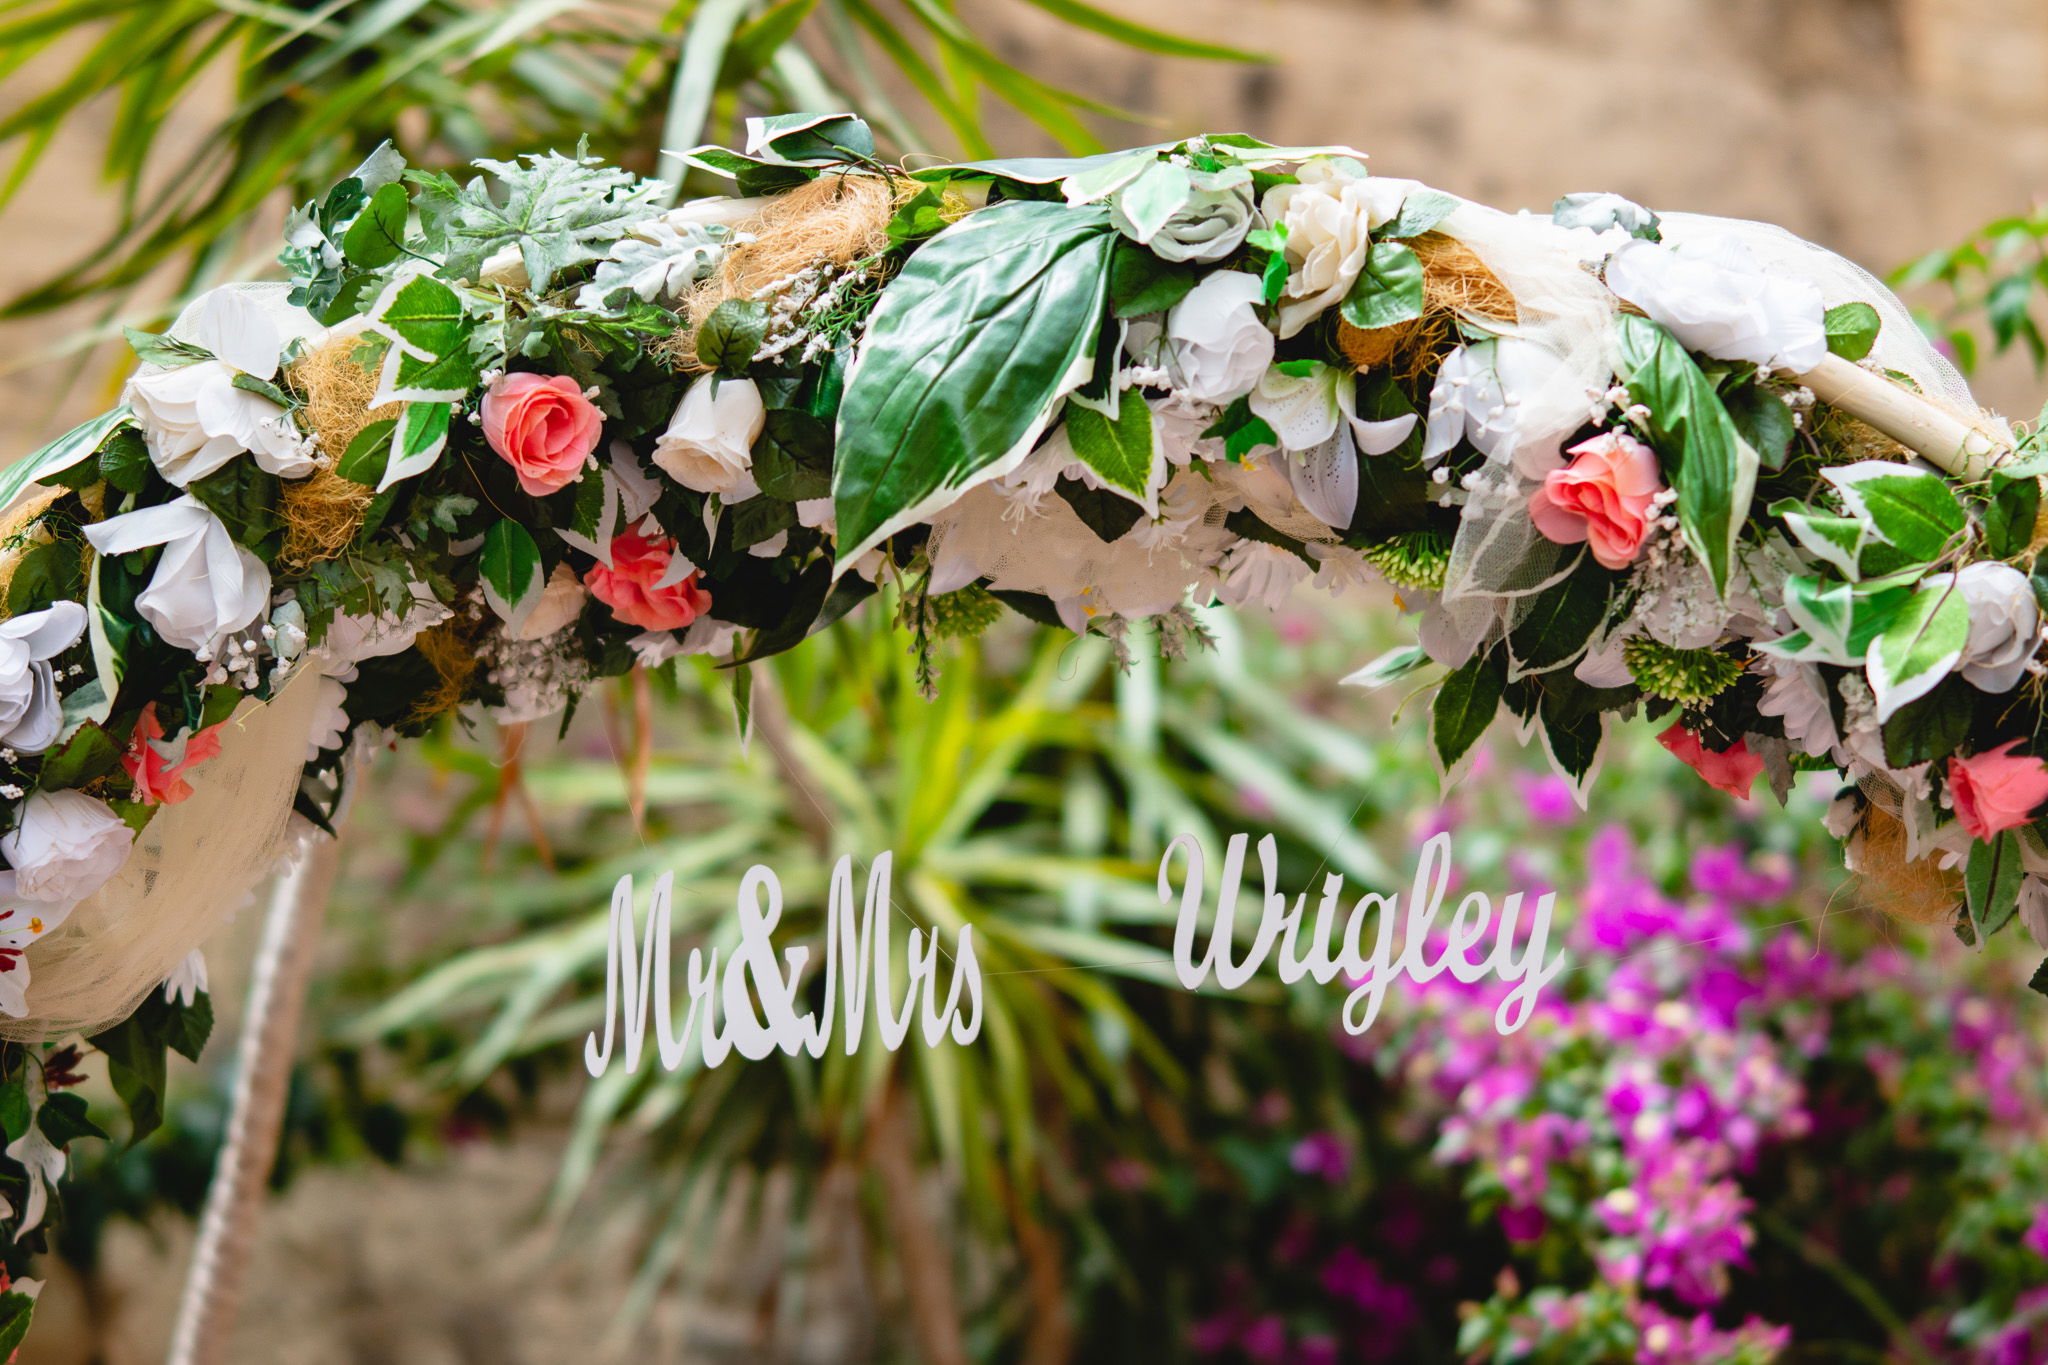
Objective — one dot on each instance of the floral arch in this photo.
(493, 441)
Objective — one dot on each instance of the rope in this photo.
(277, 993)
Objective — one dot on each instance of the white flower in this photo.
(205, 587)
(2005, 624)
(561, 602)
(1798, 697)
(65, 848)
(1602, 213)
(2034, 908)
(1315, 415)
(1220, 347)
(330, 717)
(22, 922)
(30, 713)
(194, 419)
(1209, 225)
(41, 1158)
(1254, 571)
(1328, 216)
(1516, 400)
(187, 980)
(709, 444)
(1714, 297)
(351, 638)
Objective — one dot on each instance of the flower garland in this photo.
(495, 441)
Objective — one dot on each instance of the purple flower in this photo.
(1322, 1154)
(1547, 798)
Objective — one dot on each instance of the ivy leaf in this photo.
(1912, 509)
(1919, 648)
(1388, 291)
(1465, 705)
(369, 451)
(1836, 541)
(1561, 620)
(1852, 329)
(1124, 453)
(965, 359)
(430, 358)
(2010, 516)
(377, 237)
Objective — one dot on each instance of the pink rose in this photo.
(544, 428)
(157, 780)
(1732, 770)
(632, 587)
(1602, 498)
(1996, 790)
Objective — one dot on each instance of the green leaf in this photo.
(1919, 648)
(1388, 291)
(124, 461)
(1914, 510)
(1420, 212)
(1762, 419)
(15, 1114)
(793, 457)
(369, 451)
(1141, 283)
(1109, 515)
(1561, 619)
(377, 237)
(16, 1311)
(967, 354)
(1125, 453)
(1465, 705)
(187, 1027)
(1146, 204)
(90, 752)
(2010, 515)
(425, 316)
(1991, 883)
(1852, 330)
(155, 348)
(2038, 982)
(1932, 728)
(1572, 735)
(1836, 541)
(1712, 467)
(730, 336)
(79, 443)
(63, 1119)
(262, 388)
(510, 567)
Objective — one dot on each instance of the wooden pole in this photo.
(1916, 422)
(277, 995)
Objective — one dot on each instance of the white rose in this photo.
(2005, 624)
(1714, 297)
(205, 588)
(30, 713)
(1328, 216)
(194, 420)
(709, 444)
(66, 847)
(1516, 400)
(1209, 225)
(1220, 348)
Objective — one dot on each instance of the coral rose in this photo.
(636, 587)
(544, 428)
(1733, 769)
(1603, 497)
(1996, 790)
(157, 779)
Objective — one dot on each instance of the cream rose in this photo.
(1220, 348)
(1328, 217)
(709, 444)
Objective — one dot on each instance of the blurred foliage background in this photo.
(1117, 1170)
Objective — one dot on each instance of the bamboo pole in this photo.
(1916, 422)
(227, 1229)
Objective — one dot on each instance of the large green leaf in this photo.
(970, 349)
(1123, 453)
(59, 455)
(1465, 705)
(1712, 467)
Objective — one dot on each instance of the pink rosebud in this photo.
(1602, 498)
(543, 427)
(1996, 790)
(635, 586)
(1733, 769)
(157, 780)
